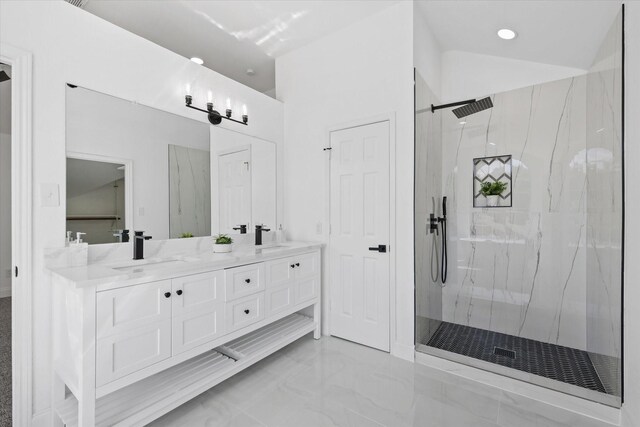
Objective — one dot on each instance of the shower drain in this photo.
(498, 351)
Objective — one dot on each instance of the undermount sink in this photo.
(151, 264)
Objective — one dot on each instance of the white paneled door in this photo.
(234, 189)
(359, 251)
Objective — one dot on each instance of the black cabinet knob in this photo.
(293, 266)
(167, 294)
(179, 292)
(246, 311)
(248, 280)
(297, 264)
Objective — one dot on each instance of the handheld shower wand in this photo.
(443, 226)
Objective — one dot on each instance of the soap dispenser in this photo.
(69, 239)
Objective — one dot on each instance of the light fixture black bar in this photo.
(435, 108)
(244, 121)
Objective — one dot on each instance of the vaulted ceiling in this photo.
(234, 36)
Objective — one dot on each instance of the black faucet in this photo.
(242, 228)
(259, 230)
(138, 244)
(122, 235)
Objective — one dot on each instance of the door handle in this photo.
(379, 248)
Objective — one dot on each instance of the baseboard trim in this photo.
(4, 293)
(403, 351)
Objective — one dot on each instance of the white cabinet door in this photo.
(279, 299)
(133, 328)
(198, 310)
(359, 224)
(280, 272)
(306, 265)
(307, 289)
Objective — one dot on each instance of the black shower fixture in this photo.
(215, 118)
(470, 106)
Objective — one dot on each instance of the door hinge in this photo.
(16, 270)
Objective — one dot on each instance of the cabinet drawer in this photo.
(128, 352)
(124, 309)
(243, 281)
(244, 312)
(278, 299)
(307, 265)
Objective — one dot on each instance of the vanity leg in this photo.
(57, 397)
(86, 413)
(316, 318)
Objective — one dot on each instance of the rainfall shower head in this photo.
(469, 107)
(474, 107)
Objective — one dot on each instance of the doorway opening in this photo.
(5, 246)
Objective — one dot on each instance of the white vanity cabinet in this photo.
(127, 352)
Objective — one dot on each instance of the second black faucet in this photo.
(259, 230)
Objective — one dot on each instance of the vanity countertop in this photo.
(129, 272)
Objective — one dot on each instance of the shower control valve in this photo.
(433, 224)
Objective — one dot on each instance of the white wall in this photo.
(631, 407)
(427, 55)
(467, 75)
(69, 44)
(362, 71)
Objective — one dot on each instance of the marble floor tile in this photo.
(332, 382)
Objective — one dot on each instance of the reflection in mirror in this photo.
(189, 192)
(103, 126)
(244, 187)
(95, 199)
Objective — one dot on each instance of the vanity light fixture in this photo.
(215, 118)
(197, 60)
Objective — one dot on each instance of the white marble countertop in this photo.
(130, 272)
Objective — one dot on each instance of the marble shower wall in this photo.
(189, 192)
(428, 196)
(521, 270)
(604, 207)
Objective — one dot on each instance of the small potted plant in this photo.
(492, 192)
(222, 244)
(186, 235)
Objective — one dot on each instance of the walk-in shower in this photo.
(518, 229)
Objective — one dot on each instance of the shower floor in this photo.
(551, 361)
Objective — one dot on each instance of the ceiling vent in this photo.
(78, 3)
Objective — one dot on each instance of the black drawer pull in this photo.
(246, 311)
(167, 294)
(293, 266)
(297, 264)
(179, 292)
(247, 280)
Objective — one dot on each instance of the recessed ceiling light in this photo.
(197, 60)
(463, 122)
(507, 34)
(251, 72)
